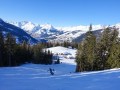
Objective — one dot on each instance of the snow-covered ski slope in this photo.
(63, 50)
(37, 77)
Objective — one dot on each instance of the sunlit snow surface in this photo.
(37, 77)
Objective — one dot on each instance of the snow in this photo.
(37, 77)
(62, 50)
(80, 27)
(55, 34)
(47, 26)
(28, 26)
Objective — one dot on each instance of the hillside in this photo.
(17, 32)
(62, 50)
(38, 77)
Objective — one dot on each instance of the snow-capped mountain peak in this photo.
(58, 34)
(47, 26)
(80, 27)
(117, 25)
(29, 26)
(18, 33)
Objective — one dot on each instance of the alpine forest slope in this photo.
(17, 32)
(13, 53)
(99, 53)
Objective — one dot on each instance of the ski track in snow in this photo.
(37, 77)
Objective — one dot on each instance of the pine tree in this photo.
(90, 27)
(49, 54)
(81, 59)
(27, 54)
(1, 49)
(37, 54)
(104, 48)
(90, 42)
(114, 57)
(10, 43)
(18, 55)
(58, 61)
(86, 52)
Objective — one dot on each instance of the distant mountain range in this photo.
(17, 32)
(47, 32)
(58, 34)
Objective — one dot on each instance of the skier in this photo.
(51, 71)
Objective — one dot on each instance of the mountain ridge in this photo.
(58, 34)
(17, 32)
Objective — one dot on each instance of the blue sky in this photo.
(61, 12)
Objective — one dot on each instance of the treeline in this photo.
(14, 54)
(99, 53)
(64, 44)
